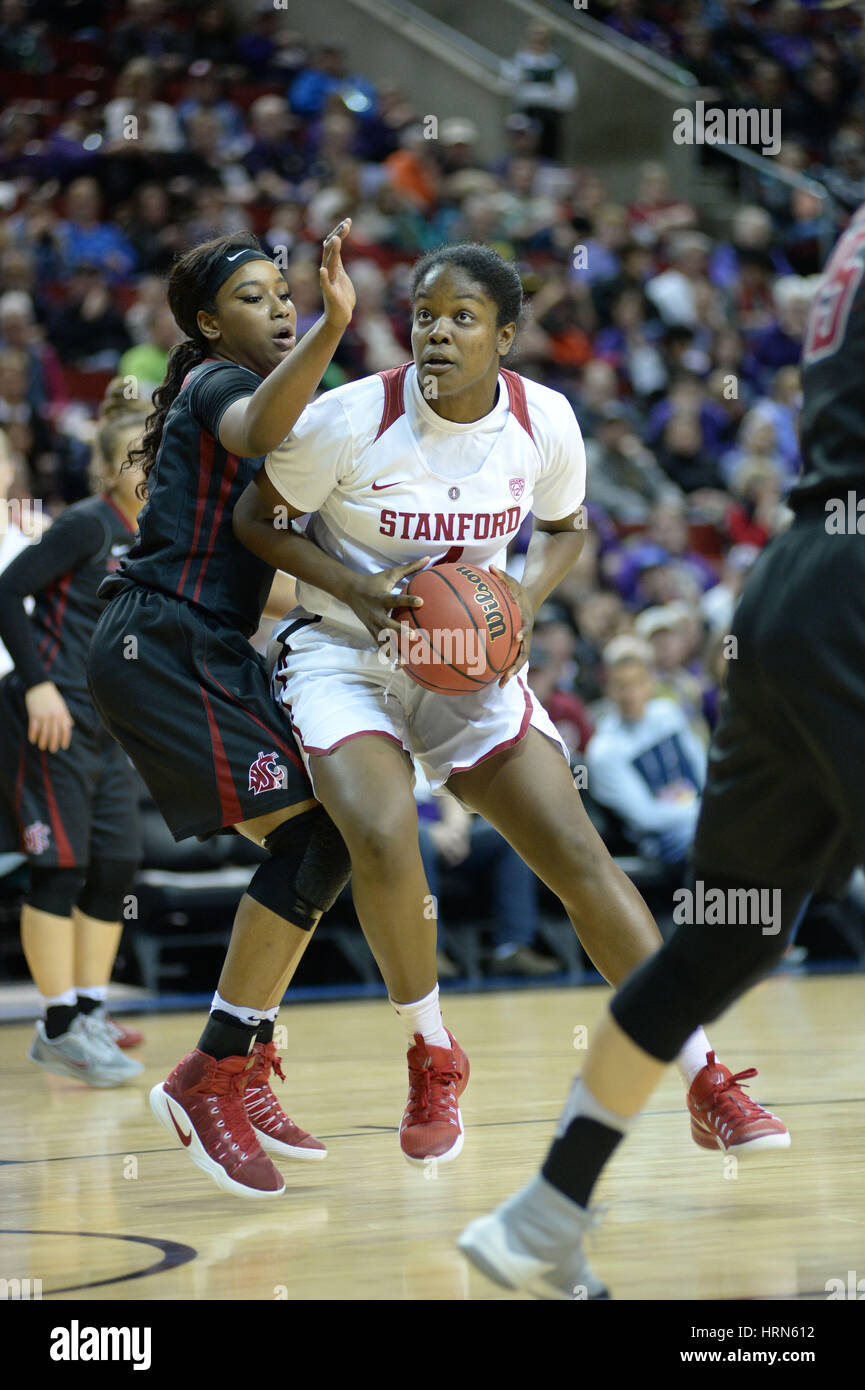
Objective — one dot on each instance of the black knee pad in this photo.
(696, 976)
(108, 882)
(54, 890)
(307, 870)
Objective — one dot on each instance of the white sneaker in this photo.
(534, 1242)
(84, 1052)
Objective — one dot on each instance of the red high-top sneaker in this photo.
(432, 1126)
(201, 1104)
(274, 1130)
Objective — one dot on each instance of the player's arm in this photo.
(67, 545)
(262, 522)
(553, 551)
(282, 596)
(557, 540)
(256, 424)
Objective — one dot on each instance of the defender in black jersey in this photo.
(212, 747)
(783, 811)
(68, 791)
(182, 690)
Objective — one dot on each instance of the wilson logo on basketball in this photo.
(486, 599)
(517, 487)
(266, 774)
(37, 838)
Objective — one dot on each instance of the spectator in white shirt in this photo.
(644, 762)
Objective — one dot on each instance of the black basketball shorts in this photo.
(189, 700)
(71, 808)
(784, 804)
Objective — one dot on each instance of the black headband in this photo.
(227, 264)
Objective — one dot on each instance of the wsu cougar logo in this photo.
(266, 774)
(37, 838)
(517, 487)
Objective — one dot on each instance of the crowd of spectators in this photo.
(801, 58)
(677, 349)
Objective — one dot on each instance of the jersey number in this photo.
(827, 321)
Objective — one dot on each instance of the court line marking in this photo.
(363, 1131)
(174, 1254)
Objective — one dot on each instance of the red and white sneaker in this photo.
(121, 1035)
(723, 1117)
(201, 1104)
(274, 1130)
(432, 1126)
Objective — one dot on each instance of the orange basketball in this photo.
(465, 635)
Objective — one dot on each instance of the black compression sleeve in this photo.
(70, 543)
(215, 389)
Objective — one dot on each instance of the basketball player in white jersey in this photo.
(440, 460)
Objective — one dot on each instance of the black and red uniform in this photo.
(784, 803)
(171, 668)
(63, 809)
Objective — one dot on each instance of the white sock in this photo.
(692, 1058)
(99, 992)
(244, 1012)
(69, 999)
(424, 1017)
(582, 1102)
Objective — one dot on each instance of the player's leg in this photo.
(106, 898)
(53, 812)
(528, 794)
(366, 786)
(535, 1239)
(219, 1098)
(96, 941)
(783, 799)
(97, 929)
(214, 752)
(67, 1042)
(388, 883)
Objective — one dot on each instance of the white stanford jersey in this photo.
(354, 460)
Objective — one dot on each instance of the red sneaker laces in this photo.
(225, 1092)
(263, 1104)
(721, 1092)
(427, 1097)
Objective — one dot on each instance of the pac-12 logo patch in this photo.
(37, 838)
(266, 774)
(517, 487)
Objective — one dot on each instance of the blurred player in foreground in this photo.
(783, 812)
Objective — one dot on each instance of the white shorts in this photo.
(334, 687)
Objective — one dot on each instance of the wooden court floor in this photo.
(97, 1204)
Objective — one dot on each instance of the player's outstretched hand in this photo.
(528, 616)
(337, 289)
(374, 596)
(49, 721)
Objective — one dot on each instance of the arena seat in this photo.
(84, 385)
